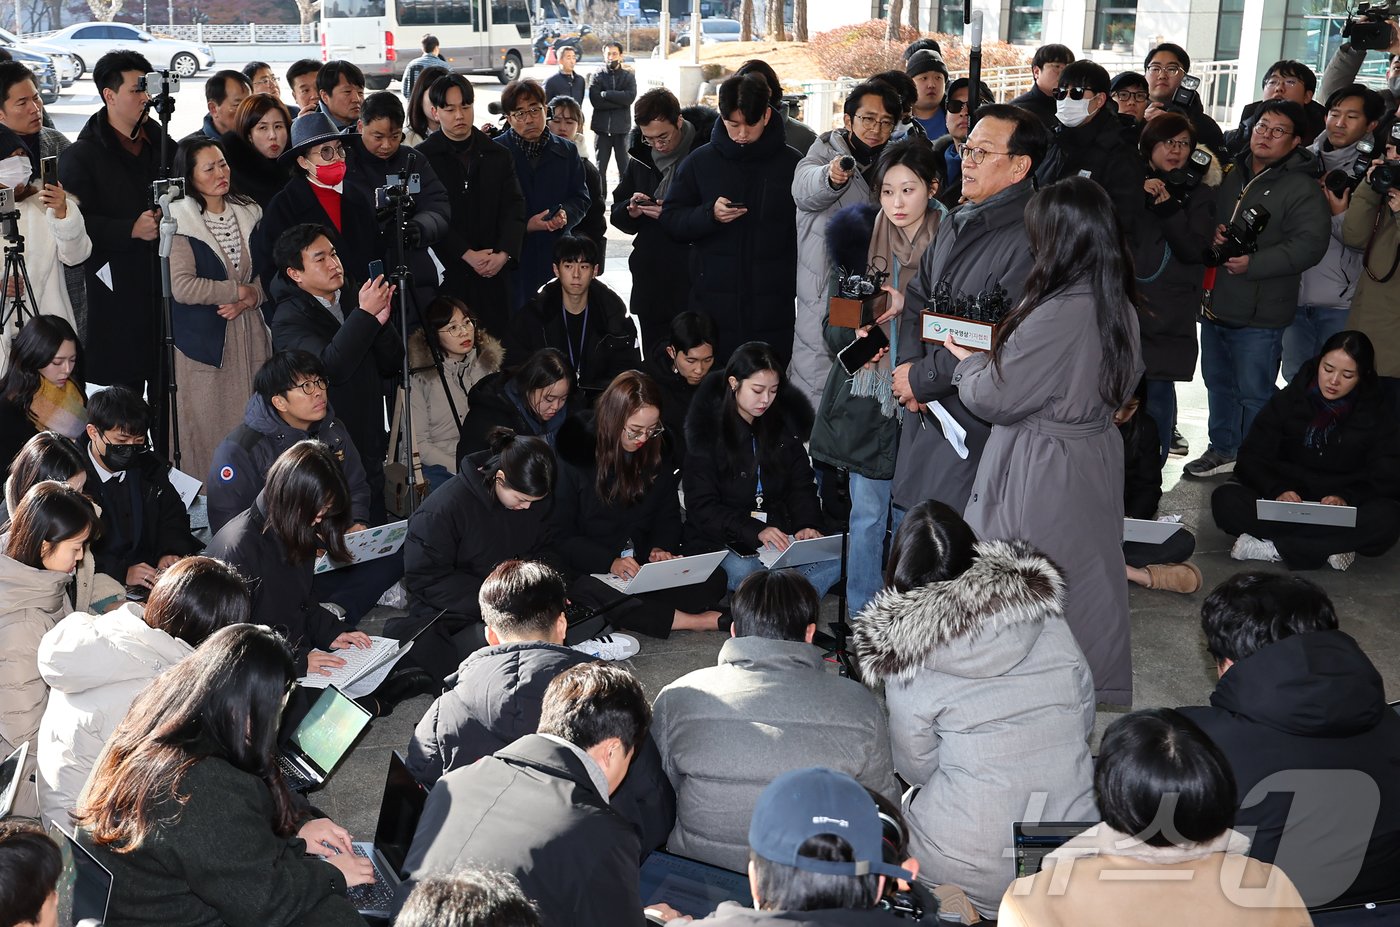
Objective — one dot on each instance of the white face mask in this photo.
(1072, 113)
(15, 172)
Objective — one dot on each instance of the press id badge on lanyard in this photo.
(758, 513)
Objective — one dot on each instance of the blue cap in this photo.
(803, 803)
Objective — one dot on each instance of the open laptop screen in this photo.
(329, 729)
(690, 886)
(1033, 841)
(85, 887)
(399, 812)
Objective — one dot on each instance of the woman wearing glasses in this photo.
(837, 172)
(439, 400)
(551, 177)
(615, 508)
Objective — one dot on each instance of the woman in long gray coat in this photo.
(1061, 364)
(991, 703)
(820, 188)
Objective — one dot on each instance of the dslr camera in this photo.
(1181, 181)
(1386, 175)
(1339, 181)
(1369, 28)
(1241, 238)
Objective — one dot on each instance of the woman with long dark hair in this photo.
(96, 664)
(42, 389)
(44, 544)
(990, 700)
(677, 364)
(1330, 436)
(262, 129)
(532, 399)
(469, 354)
(748, 483)
(188, 810)
(220, 338)
(421, 120)
(1062, 363)
(46, 456)
(616, 508)
(857, 426)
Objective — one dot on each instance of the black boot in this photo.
(403, 684)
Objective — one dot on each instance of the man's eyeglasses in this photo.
(459, 328)
(978, 155)
(1171, 70)
(1272, 131)
(644, 434)
(311, 387)
(663, 139)
(1282, 83)
(533, 112)
(874, 122)
(1074, 93)
(1130, 96)
(331, 152)
(265, 84)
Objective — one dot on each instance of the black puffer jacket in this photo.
(1142, 466)
(254, 175)
(1104, 147)
(718, 501)
(742, 272)
(609, 340)
(676, 396)
(590, 532)
(1359, 462)
(1312, 708)
(496, 698)
(495, 402)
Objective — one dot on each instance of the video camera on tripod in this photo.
(1371, 28)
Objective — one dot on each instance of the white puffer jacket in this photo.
(95, 666)
(49, 244)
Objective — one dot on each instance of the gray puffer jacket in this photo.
(991, 706)
(1332, 280)
(817, 201)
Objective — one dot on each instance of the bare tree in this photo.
(105, 10)
(914, 15)
(892, 21)
(799, 20)
(775, 22)
(307, 9)
(746, 21)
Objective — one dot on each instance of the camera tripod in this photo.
(13, 306)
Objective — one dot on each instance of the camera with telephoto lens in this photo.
(1341, 180)
(1241, 238)
(1188, 92)
(1369, 28)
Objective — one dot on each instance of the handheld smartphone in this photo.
(735, 204)
(863, 350)
(48, 170)
(644, 200)
(376, 270)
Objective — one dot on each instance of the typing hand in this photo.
(166, 562)
(324, 837)
(1289, 496)
(351, 639)
(723, 212)
(807, 534)
(141, 574)
(666, 914)
(1333, 500)
(626, 567)
(657, 555)
(320, 663)
(356, 869)
(774, 537)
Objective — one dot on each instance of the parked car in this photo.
(713, 30)
(64, 64)
(43, 70)
(87, 42)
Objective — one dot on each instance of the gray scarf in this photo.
(666, 163)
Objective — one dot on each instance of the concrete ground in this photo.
(1170, 664)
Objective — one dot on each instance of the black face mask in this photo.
(614, 65)
(119, 457)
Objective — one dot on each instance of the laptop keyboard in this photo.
(617, 582)
(296, 779)
(375, 897)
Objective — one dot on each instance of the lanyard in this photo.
(575, 362)
(758, 476)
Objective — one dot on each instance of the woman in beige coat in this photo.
(1165, 844)
(220, 339)
(45, 548)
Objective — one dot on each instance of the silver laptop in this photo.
(399, 811)
(1307, 513)
(321, 740)
(801, 553)
(1148, 531)
(11, 774)
(666, 574)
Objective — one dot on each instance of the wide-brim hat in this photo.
(308, 130)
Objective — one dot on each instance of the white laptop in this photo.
(1147, 531)
(801, 553)
(1307, 513)
(11, 774)
(666, 574)
(367, 544)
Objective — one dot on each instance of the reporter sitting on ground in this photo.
(45, 547)
(47, 456)
(1165, 841)
(468, 897)
(991, 702)
(97, 664)
(468, 354)
(715, 725)
(677, 364)
(188, 812)
(1153, 566)
(489, 512)
(1300, 714)
(1330, 436)
(498, 692)
(816, 856)
(30, 867)
(616, 508)
(42, 388)
(577, 314)
(539, 809)
(145, 525)
(748, 482)
(532, 399)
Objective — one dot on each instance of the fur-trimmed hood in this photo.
(1008, 593)
(702, 425)
(489, 352)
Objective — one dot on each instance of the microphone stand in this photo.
(167, 240)
(974, 67)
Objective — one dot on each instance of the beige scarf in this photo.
(890, 249)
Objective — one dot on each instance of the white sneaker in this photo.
(611, 647)
(1248, 547)
(1341, 562)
